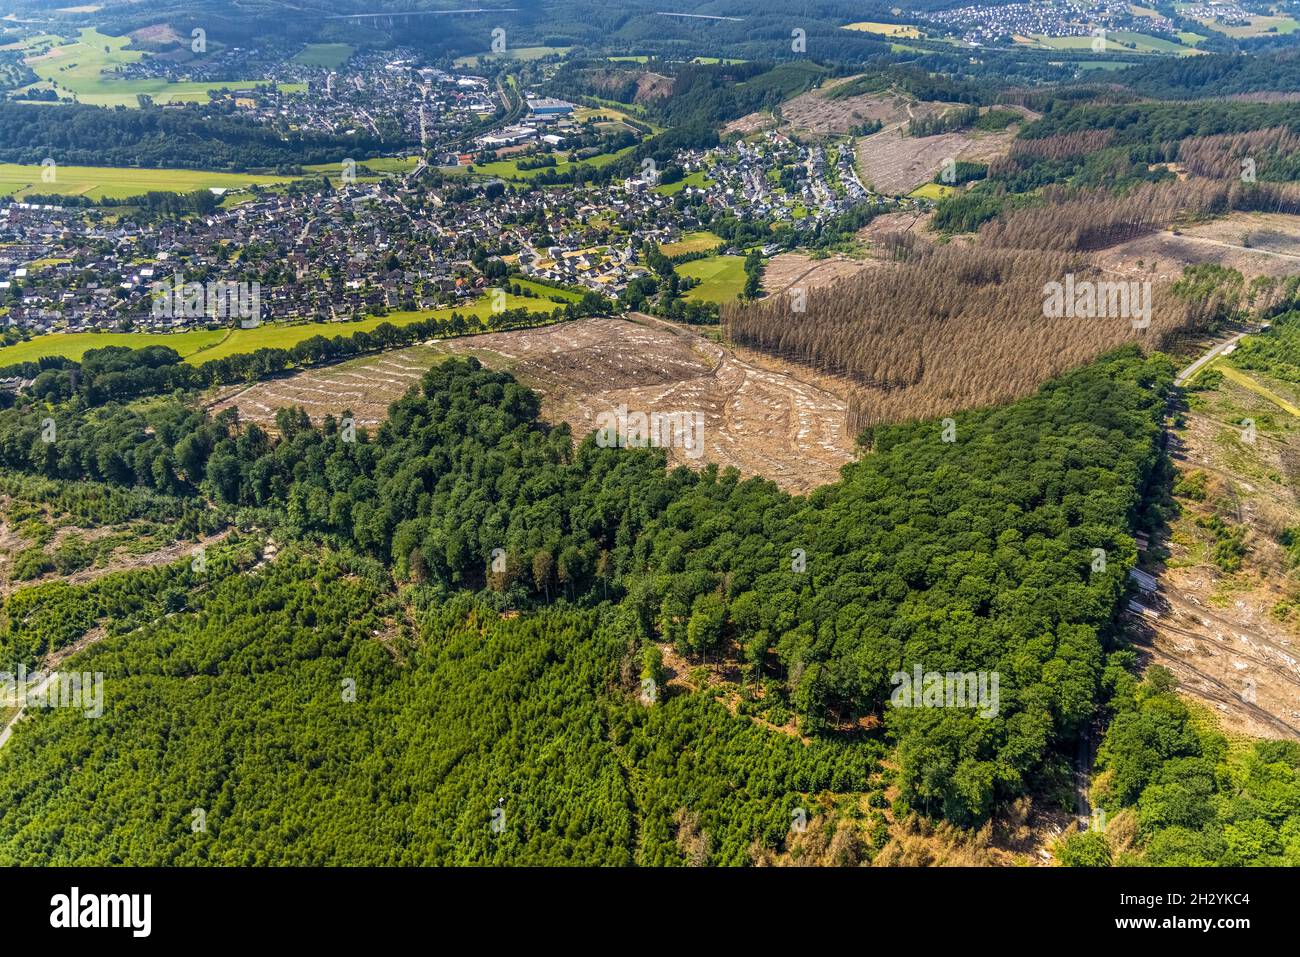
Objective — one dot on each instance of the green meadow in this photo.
(99, 182)
(692, 242)
(509, 169)
(722, 278)
(329, 56)
(74, 345)
(204, 345)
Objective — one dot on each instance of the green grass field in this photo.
(98, 182)
(509, 169)
(1260, 25)
(380, 167)
(74, 345)
(518, 53)
(693, 242)
(204, 345)
(697, 179)
(84, 68)
(545, 291)
(277, 336)
(722, 278)
(329, 56)
(1118, 41)
(932, 191)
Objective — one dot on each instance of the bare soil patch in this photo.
(759, 415)
(1255, 244)
(761, 418)
(790, 269)
(364, 387)
(893, 163)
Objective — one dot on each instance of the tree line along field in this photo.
(107, 182)
(199, 346)
(84, 67)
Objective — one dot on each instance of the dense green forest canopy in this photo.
(1179, 794)
(972, 555)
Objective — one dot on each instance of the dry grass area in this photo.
(893, 163)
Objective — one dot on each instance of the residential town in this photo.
(982, 24)
(416, 242)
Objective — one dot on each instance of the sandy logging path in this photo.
(1217, 632)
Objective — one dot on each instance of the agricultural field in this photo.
(108, 182)
(329, 56)
(84, 70)
(516, 53)
(886, 29)
(280, 336)
(1116, 41)
(380, 167)
(693, 242)
(1260, 25)
(722, 278)
(74, 345)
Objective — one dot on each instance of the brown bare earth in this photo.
(363, 387)
(158, 34)
(882, 227)
(813, 113)
(790, 269)
(652, 86)
(1255, 244)
(893, 163)
(759, 415)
